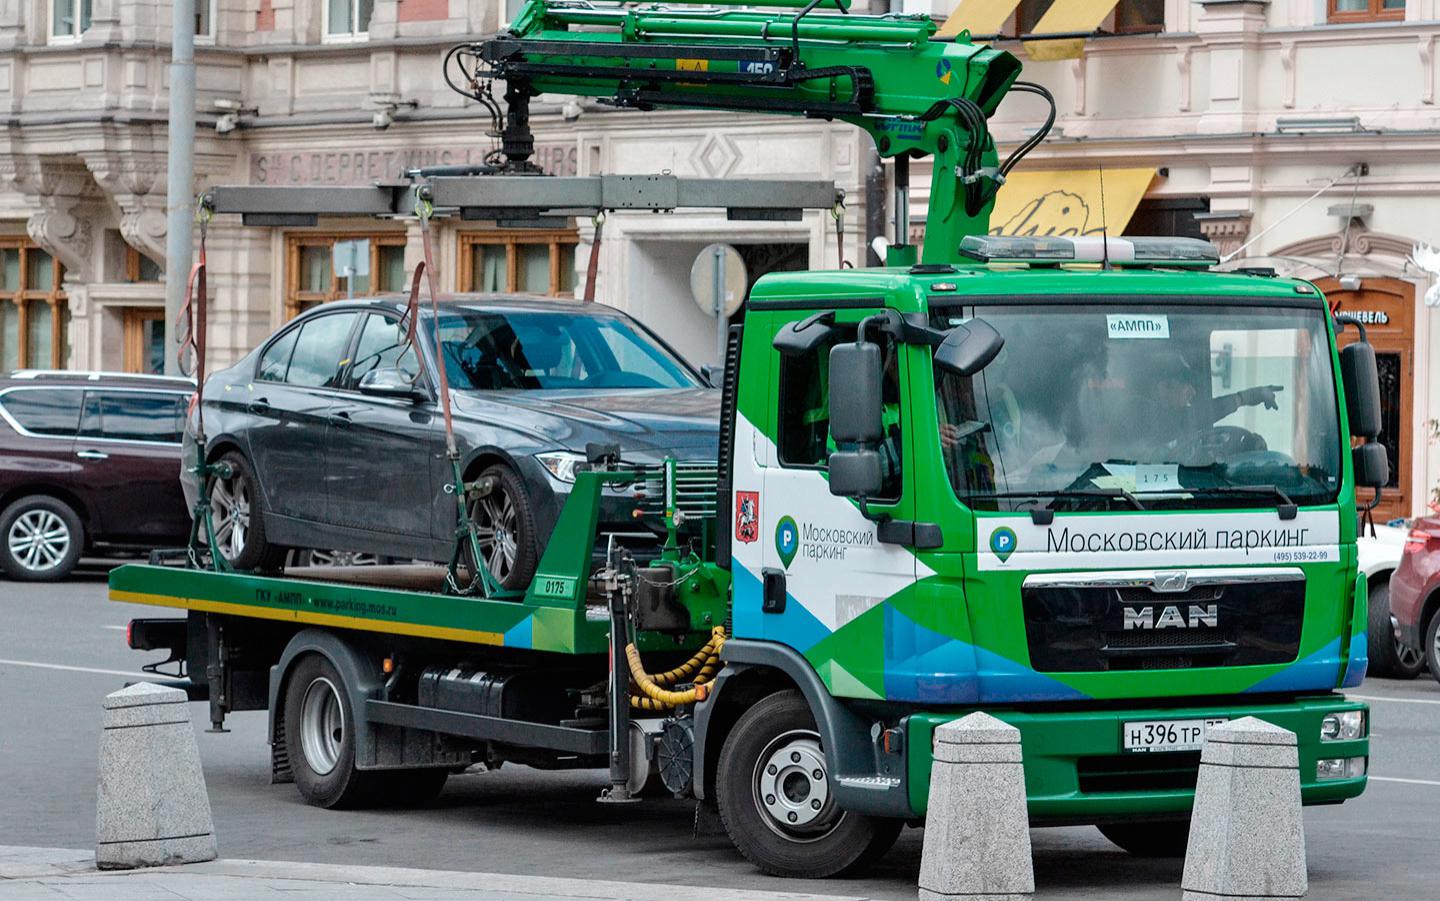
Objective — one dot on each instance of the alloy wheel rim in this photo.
(791, 788)
(1411, 658)
(322, 726)
(230, 514)
(38, 540)
(495, 523)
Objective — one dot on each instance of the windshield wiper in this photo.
(1044, 515)
(1286, 508)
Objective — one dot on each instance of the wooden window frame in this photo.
(296, 300)
(132, 268)
(135, 351)
(1373, 12)
(25, 296)
(512, 238)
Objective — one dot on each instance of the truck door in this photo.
(827, 579)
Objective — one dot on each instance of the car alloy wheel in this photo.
(38, 540)
(790, 788)
(496, 523)
(230, 514)
(1410, 659)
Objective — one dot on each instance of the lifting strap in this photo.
(837, 212)
(594, 265)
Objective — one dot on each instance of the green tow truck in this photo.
(1085, 484)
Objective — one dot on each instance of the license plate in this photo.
(1154, 736)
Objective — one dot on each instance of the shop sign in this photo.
(1368, 317)
(359, 167)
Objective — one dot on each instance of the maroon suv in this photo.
(89, 463)
(1415, 591)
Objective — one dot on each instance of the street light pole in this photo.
(180, 178)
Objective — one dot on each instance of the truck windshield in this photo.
(1171, 406)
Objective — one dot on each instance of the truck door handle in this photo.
(772, 596)
(340, 420)
(92, 455)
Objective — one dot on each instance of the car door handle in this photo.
(92, 455)
(340, 420)
(259, 406)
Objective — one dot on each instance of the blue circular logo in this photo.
(787, 539)
(1002, 542)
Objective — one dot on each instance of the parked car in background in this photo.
(1415, 592)
(89, 463)
(334, 434)
(1380, 555)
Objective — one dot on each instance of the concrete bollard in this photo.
(977, 829)
(152, 808)
(1247, 838)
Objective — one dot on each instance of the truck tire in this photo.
(1390, 658)
(237, 511)
(1166, 838)
(505, 519)
(775, 801)
(320, 735)
(40, 539)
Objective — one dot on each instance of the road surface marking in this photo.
(77, 669)
(116, 628)
(1395, 700)
(1406, 781)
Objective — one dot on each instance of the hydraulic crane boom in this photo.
(916, 94)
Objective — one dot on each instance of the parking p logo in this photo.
(1002, 542)
(787, 540)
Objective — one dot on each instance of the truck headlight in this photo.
(561, 464)
(1347, 725)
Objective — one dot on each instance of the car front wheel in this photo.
(1432, 645)
(42, 539)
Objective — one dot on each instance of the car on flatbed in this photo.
(334, 434)
(88, 464)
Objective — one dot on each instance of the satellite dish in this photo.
(718, 266)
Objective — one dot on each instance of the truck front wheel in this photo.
(776, 802)
(1166, 838)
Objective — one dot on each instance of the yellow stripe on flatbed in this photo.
(473, 636)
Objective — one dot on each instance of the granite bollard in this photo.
(1247, 838)
(152, 807)
(977, 829)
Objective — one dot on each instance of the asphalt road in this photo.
(62, 649)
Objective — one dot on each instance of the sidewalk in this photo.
(51, 874)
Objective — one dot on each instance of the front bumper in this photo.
(1075, 771)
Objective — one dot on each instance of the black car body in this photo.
(364, 469)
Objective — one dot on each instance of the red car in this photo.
(89, 464)
(1415, 591)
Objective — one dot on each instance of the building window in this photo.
(34, 315)
(140, 268)
(532, 262)
(310, 275)
(1342, 11)
(144, 340)
(347, 20)
(68, 20)
(205, 21)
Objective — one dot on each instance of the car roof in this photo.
(81, 378)
(475, 301)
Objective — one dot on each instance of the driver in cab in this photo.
(1172, 410)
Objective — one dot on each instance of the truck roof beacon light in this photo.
(1188, 252)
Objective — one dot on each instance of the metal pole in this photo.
(719, 289)
(180, 179)
(902, 199)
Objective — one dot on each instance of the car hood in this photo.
(648, 424)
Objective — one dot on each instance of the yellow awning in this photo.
(1067, 16)
(978, 17)
(1066, 202)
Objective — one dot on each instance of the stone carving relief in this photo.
(59, 189)
(136, 182)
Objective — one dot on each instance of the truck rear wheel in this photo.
(320, 735)
(1167, 838)
(775, 797)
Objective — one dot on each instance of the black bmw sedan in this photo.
(335, 437)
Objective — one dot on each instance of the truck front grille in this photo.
(1138, 772)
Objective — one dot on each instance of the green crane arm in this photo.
(915, 93)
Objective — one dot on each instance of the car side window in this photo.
(318, 360)
(157, 417)
(382, 345)
(276, 358)
(44, 411)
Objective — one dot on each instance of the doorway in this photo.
(1386, 307)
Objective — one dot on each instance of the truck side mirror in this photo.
(1361, 378)
(855, 419)
(968, 347)
(1372, 466)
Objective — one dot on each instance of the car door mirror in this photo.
(714, 374)
(391, 383)
(968, 347)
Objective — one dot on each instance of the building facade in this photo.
(1300, 134)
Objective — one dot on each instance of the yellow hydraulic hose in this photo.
(656, 697)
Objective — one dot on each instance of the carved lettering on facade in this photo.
(358, 167)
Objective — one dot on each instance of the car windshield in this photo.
(1179, 406)
(487, 350)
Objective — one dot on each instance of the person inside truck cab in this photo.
(1175, 409)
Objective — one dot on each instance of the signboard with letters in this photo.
(361, 166)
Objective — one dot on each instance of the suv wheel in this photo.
(237, 513)
(505, 525)
(1390, 657)
(42, 539)
(1432, 645)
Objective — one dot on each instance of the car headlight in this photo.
(561, 464)
(1347, 725)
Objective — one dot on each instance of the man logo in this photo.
(1197, 617)
(1002, 543)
